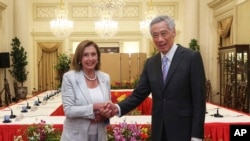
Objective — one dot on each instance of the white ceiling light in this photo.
(149, 15)
(61, 26)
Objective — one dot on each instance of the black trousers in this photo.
(163, 134)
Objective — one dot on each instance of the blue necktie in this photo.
(164, 67)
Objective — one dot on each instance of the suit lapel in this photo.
(175, 62)
(83, 86)
(158, 68)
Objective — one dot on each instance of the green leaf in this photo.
(19, 61)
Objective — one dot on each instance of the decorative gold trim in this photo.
(50, 15)
(93, 16)
(75, 5)
(218, 3)
(168, 4)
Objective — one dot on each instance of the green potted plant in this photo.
(194, 45)
(62, 66)
(18, 67)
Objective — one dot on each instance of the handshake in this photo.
(104, 111)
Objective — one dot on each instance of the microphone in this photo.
(48, 97)
(212, 97)
(28, 107)
(11, 113)
(217, 114)
(215, 94)
(209, 98)
(36, 103)
(38, 100)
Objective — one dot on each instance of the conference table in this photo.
(52, 112)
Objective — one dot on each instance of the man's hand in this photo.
(103, 109)
(114, 109)
(107, 109)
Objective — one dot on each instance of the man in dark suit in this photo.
(178, 91)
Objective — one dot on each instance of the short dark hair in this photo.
(76, 63)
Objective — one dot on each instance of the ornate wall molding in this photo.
(44, 11)
(84, 11)
(132, 10)
(169, 8)
(80, 11)
(222, 8)
(218, 3)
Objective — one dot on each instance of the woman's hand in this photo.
(103, 109)
(98, 118)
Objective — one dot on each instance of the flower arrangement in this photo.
(125, 84)
(122, 85)
(129, 132)
(117, 97)
(38, 132)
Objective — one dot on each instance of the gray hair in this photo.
(169, 21)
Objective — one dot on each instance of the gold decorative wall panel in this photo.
(170, 9)
(84, 11)
(79, 11)
(131, 11)
(43, 11)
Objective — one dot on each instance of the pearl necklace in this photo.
(90, 79)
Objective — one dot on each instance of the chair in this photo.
(208, 90)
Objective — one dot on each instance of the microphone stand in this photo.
(38, 100)
(217, 114)
(28, 107)
(11, 114)
(210, 98)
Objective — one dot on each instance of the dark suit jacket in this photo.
(179, 104)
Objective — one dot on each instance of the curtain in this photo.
(225, 32)
(48, 57)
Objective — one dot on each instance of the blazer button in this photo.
(164, 99)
